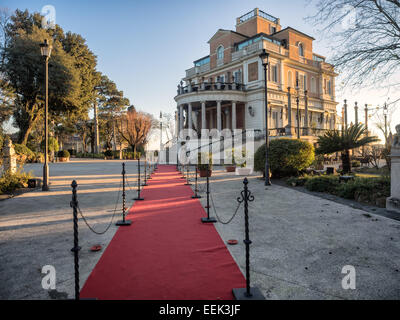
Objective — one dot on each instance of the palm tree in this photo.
(343, 141)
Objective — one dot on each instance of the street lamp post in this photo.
(385, 114)
(264, 56)
(46, 48)
(298, 111)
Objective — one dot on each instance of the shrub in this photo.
(323, 184)
(356, 164)
(24, 154)
(39, 157)
(287, 157)
(9, 182)
(109, 154)
(72, 152)
(63, 154)
(365, 189)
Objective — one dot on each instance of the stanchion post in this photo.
(208, 219)
(196, 190)
(138, 198)
(150, 171)
(76, 248)
(145, 174)
(123, 222)
(187, 176)
(247, 293)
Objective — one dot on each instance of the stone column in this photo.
(190, 116)
(180, 118)
(234, 115)
(289, 127)
(9, 157)
(203, 115)
(219, 120)
(393, 203)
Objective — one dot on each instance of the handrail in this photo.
(220, 140)
(211, 86)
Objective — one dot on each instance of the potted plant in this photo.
(63, 155)
(242, 170)
(109, 155)
(205, 169)
(231, 167)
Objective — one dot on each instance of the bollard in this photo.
(196, 190)
(247, 293)
(123, 222)
(145, 174)
(208, 219)
(150, 172)
(187, 176)
(183, 172)
(76, 248)
(138, 198)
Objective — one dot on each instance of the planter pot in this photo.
(231, 169)
(243, 171)
(110, 158)
(205, 173)
(61, 159)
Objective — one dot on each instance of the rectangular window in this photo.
(253, 71)
(275, 73)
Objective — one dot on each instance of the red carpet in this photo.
(167, 253)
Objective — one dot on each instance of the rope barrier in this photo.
(112, 218)
(218, 218)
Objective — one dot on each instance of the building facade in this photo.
(225, 90)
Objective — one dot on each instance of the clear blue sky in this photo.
(146, 46)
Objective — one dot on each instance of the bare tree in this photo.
(365, 39)
(134, 127)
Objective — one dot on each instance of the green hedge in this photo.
(368, 190)
(287, 157)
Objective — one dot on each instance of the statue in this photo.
(10, 157)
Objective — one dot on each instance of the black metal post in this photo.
(247, 293)
(183, 172)
(138, 198)
(196, 190)
(45, 186)
(150, 171)
(208, 219)
(76, 248)
(187, 176)
(145, 174)
(265, 61)
(123, 222)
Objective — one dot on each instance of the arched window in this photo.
(220, 52)
(301, 50)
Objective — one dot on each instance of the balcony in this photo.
(216, 87)
(197, 70)
(258, 46)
